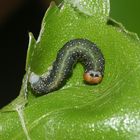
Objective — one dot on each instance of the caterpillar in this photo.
(76, 50)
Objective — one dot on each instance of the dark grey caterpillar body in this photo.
(77, 50)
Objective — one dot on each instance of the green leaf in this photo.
(31, 47)
(110, 110)
(98, 8)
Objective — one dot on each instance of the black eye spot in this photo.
(91, 74)
(96, 75)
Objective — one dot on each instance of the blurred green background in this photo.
(127, 12)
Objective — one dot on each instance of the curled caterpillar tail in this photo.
(77, 50)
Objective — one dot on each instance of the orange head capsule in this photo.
(92, 77)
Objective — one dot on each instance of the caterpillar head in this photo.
(92, 77)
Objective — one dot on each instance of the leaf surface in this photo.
(110, 110)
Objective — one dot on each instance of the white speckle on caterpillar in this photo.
(33, 78)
